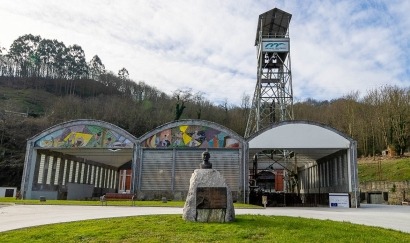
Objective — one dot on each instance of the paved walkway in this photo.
(20, 216)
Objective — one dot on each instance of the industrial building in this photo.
(87, 158)
(292, 162)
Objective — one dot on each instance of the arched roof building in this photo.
(322, 159)
(80, 154)
(88, 158)
(170, 153)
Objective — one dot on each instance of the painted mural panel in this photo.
(84, 136)
(191, 136)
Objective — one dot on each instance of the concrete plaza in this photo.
(21, 216)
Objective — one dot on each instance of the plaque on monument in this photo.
(211, 198)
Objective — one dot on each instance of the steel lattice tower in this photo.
(273, 96)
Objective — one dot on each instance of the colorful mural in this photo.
(191, 136)
(84, 136)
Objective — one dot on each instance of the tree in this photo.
(96, 68)
(23, 52)
(123, 74)
(3, 62)
(44, 51)
(52, 55)
(399, 105)
(225, 107)
(179, 108)
(58, 59)
(239, 115)
(198, 100)
(76, 65)
(182, 96)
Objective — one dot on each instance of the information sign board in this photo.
(340, 200)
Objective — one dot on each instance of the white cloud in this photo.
(207, 45)
(346, 46)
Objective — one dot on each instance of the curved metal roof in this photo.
(89, 139)
(78, 122)
(299, 135)
(184, 132)
(310, 141)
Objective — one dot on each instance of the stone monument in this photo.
(209, 197)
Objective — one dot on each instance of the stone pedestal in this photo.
(212, 202)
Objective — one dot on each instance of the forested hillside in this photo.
(378, 119)
(43, 82)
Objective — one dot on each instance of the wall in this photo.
(77, 191)
(396, 191)
(3, 191)
(47, 194)
(327, 175)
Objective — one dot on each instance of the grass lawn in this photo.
(25, 100)
(172, 228)
(109, 203)
(246, 228)
(384, 170)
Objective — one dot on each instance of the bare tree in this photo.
(182, 96)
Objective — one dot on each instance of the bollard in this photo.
(103, 200)
(264, 200)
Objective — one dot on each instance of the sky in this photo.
(336, 47)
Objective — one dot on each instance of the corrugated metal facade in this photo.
(171, 169)
(168, 155)
(156, 171)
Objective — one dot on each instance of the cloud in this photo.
(353, 48)
(208, 45)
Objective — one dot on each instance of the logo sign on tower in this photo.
(275, 46)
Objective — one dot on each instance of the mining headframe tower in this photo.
(273, 96)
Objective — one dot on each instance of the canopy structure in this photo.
(309, 140)
(322, 159)
(81, 152)
(272, 24)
